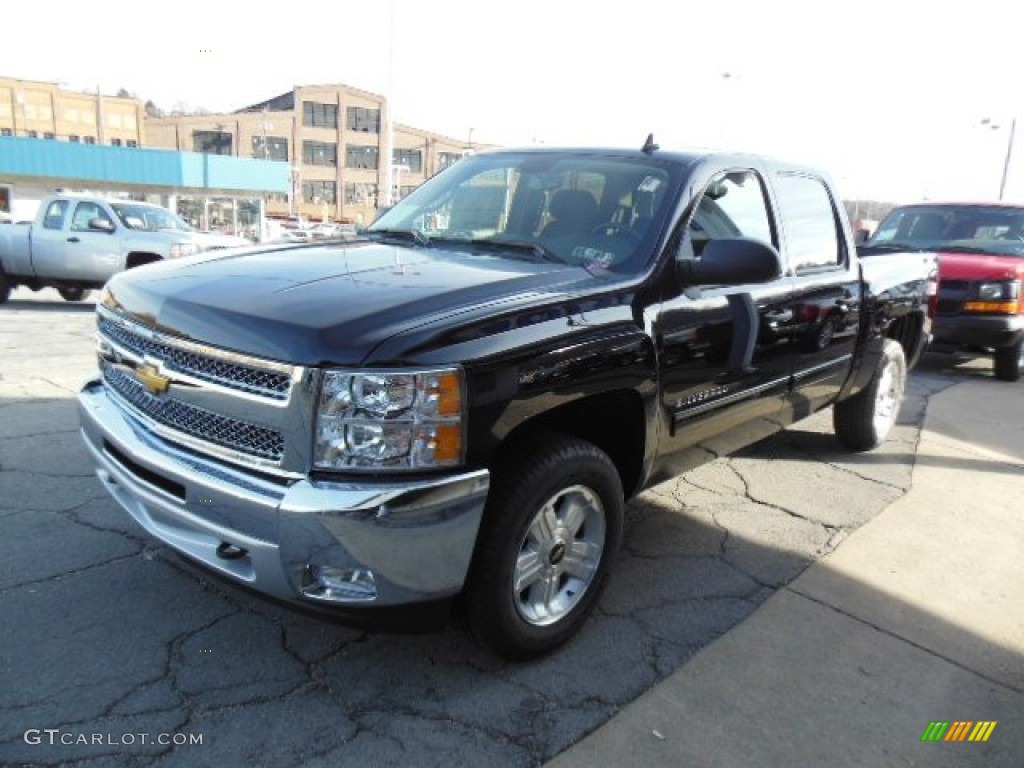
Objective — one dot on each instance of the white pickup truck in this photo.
(78, 242)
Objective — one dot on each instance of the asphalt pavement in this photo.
(790, 605)
(917, 619)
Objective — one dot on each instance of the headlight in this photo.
(992, 291)
(995, 298)
(182, 249)
(389, 420)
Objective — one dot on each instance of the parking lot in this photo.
(108, 633)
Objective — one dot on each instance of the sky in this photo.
(887, 97)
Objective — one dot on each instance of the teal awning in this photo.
(163, 169)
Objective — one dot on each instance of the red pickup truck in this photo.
(978, 304)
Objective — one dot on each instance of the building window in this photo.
(115, 142)
(211, 142)
(319, 153)
(317, 115)
(49, 135)
(132, 143)
(446, 159)
(319, 191)
(90, 139)
(410, 158)
(6, 132)
(74, 138)
(360, 157)
(361, 194)
(363, 119)
(270, 148)
(32, 134)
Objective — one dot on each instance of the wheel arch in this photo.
(614, 421)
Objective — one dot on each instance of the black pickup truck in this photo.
(453, 409)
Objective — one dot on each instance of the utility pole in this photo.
(1009, 154)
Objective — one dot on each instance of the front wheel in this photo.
(72, 294)
(550, 534)
(1008, 361)
(862, 422)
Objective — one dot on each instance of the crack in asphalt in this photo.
(748, 494)
(73, 572)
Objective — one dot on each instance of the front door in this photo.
(723, 378)
(91, 254)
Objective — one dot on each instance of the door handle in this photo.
(74, 240)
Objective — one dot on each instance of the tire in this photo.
(1008, 361)
(550, 534)
(72, 294)
(5, 288)
(863, 421)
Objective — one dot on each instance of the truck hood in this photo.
(330, 304)
(979, 266)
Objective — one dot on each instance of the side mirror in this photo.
(860, 236)
(101, 225)
(731, 261)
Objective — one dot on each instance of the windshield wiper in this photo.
(413, 235)
(533, 248)
(893, 247)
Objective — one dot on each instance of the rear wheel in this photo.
(551, 531)
(1008, 361)
(862, 422)
(72, 294)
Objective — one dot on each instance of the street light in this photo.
(1009, 150)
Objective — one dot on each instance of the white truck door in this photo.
(92, 253)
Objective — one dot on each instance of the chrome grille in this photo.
(233, 375)
(196, 422)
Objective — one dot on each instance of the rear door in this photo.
(822, 321)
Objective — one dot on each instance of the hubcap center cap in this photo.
(557, 553)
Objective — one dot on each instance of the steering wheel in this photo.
(616, 229)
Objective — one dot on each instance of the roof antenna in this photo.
(649, 145)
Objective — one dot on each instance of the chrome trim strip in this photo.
(729, 399)
(201, 446)
(113, 352)
(199, 349)
(823, 366)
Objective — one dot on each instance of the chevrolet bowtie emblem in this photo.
(151, 379)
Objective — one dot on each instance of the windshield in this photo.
(148, 217)
(598, 212)
(989, 229)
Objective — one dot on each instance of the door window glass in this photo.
(86, 212)
(733, 205)
(809, 223)
(54, 218)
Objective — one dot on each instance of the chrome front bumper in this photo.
(374, 544)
